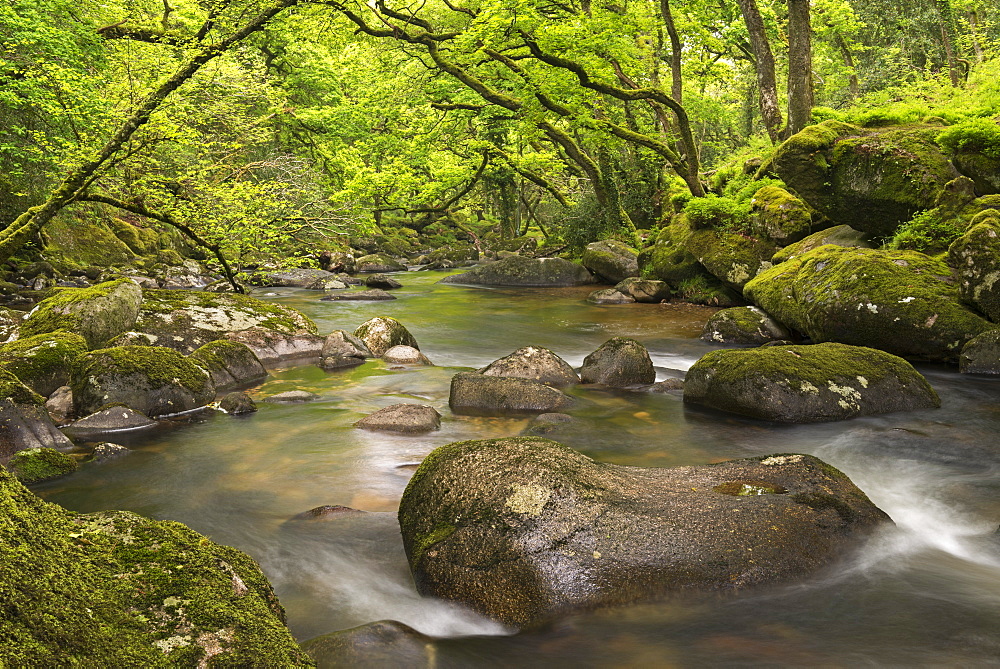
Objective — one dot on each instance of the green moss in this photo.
(216, 355)
(18, 393)
(981, 135)
(43, 360)
(131, 236)
(117, 590)
(720, 213)
(82, 238)
(162, 366)
(423, 542)
(734, 259)
(35, 465)
(778, 215)
(266, 314)
(929, 232)
(97, 313)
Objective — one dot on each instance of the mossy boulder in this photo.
(230, 363)
(902, 302)
(838, 235)
(525, 529)
(378, 263)
(534, 363)
(10, 323)
(610, 296)
(732, 258)
(185, 320)
(98, 313)
(114, 589)
(381, 333)
(518, 271)
(982, 169)
(313, 279)
(669, 263)
(34, 465)
(274, 348)
(151, 379)
(43, 362)
(24, 422)
(743, 326)
(779, 216)
(619, 362)
(807, 384)
(451, 256)
(975, 257)
(610, 260)
(982, 354)
(83, 238)
(871, 179)
(481, 395)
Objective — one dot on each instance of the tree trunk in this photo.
(945, 20)
(800, 85)
(845, 50)
(767, 82)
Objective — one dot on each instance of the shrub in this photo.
(721, 213)
(978, 134)
(927, 232)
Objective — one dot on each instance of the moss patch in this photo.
(43, 362)
(98, 313)
(18, 393)
(41, 464)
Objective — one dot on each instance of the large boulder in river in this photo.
(480, 395)
(518, 271)
(743, 326)
(839, 235)
(98, 313)
(731, 258)
(982, 354)
(274, 349)
(807, 384)
(313, 279)
(114, 589)
(381, 333)
(185, 319)
(902, 302)
(975, 256)
(611, 260)
(871, 179)
(379, 263)
(402, 418)
(43, 362)
(619, 362)
(24, 422)
(534, 363)
(649, 291)
(230, 363)
(342, 349)
(526, 529)
(151, 379)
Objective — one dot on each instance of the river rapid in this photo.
(923, 593)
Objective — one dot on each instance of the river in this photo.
(923, 593)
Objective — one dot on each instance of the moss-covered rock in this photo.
(871, 179)
(975, 257)
(732, 258)
(534, 363)
(10, 323)
(384, 643)
(619, 362)
(114, 589)
(982, 354)
(982, 169)
(402, 419)
(743, 326)
(185, 319)
(230, 363)
(378, 262)
(807, 384)
(98, 313)
(481, 395)
(151, 379)
(84, 238)
(526, 529)
(669, 263)
(43, 362)
(140, 241)
(34, 465)
(648, 291)
(518, 271)
(610, 260)
(902, 302)
(24, 422)
(839, 235)
(779, 216)
(381, 333)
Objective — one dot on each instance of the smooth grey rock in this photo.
(291, 396)
(649, 291)
(276, 348)
(112, 419)
(60, 405)
(481, 395)
(381, 333)
(405, 418)
(518, 271)
(534, 363)
(405, 355)
(382, 282)
(618, 362)
(610, 296)
(342, 349)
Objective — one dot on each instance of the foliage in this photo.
(978, 134)
(721, 213)
(930, 232)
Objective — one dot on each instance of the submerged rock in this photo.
(611, 260)
(237, 404)
(327, 512)
(403, 418)
(807, 384)
(385, 643)
(114, 589)
(526, 529)
(381, 333)
(743, 325)
(373, 295)
(610, 296)
(405, 355)
(481, 395)
(151, 379)
(292, 396)
(518, 271)
(107, 452)
(902, 302)
(534, 363)
(618, 362)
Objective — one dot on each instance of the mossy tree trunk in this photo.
(800, 84)
(767, 82)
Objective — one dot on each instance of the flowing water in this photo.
(925, 592)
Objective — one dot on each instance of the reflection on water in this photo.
(923, 593)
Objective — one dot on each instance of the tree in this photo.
(800, 82)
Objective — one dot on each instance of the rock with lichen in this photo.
(611, 260)
(525, 529)
(230, 363)
(743, 326)
(779, 216)
(733, 259)
(975, 257)
(807, 384)
(619, 362)
(151, 379)
(477, 394)
(24, 422)
(403, 419)
(378, 263)
(114, 589)
(518, 271)
(534, 363)
(98, 313)
(381, 333)
(275, 348)
(185, 320)
(903, 302)
(650, 291)
(406, 355)
(43, 362)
